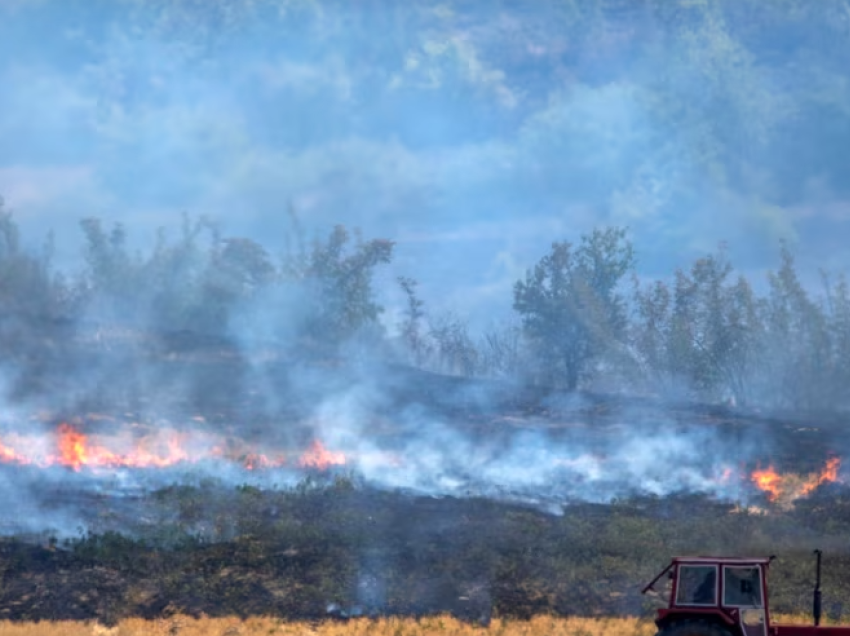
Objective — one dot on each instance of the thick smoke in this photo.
(368, 435)
(470, 137)
(473, 146)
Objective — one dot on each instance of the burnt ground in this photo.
(336, 549)
(333, 545)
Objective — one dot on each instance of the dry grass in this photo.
(445, 625)
(186, 626)
(804, 619)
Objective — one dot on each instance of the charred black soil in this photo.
(334, 548)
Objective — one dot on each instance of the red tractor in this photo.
(716, 596)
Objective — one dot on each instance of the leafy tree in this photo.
(796, 339)
(724, 332)
(455, 349)
(113, 277)
(502, 351)
(838, 299)
(177, 273)
(31, 296)
(337, 285)
(411, 327)
(681, 347)
(238, 271)
(651, 332)
(704, 336)
(569, 303)
(245, 266)
(36, 306)
(742, 346)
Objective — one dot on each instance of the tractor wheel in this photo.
(693, 628)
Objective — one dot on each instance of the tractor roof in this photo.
(723, 560)
(708, 560)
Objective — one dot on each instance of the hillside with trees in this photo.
(584, 320)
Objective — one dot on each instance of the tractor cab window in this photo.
(697, 585)
(742, 586)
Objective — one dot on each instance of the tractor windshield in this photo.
(697, 585)
(741, 586)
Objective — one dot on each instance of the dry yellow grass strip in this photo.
(263, 626)
(805, 619)
(443, 625)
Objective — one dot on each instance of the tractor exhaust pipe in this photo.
(816, 605)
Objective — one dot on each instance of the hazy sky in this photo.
(473, 133)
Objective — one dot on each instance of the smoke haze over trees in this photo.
(706, 335)
(493, 155)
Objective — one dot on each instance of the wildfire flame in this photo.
(8, 455)
(254, 461)
(769, 481)
(790, 486)
(317, 456)
(76, 450)
(137, 447)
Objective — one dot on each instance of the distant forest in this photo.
(722, 118)
(583, 319)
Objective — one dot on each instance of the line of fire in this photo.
(68, 446)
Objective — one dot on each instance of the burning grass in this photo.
(71, 448)
(787, 488)
(147, 449)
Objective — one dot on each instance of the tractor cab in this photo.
(718, 596)
(714, 595)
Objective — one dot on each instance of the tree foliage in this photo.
(196, 283)
(701, 337)
(570, 305)
(703, 333)
(796, 339)
(711, 337)
(32, 296)
(337, 284)
(454, 348)
(411, 326)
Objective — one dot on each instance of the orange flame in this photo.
(725, 475)
(9, 455)
(788, 487)
(254, 461)
(317, 456)
(72, 447)
(769, 481)
(76, 450)
(828, 474)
